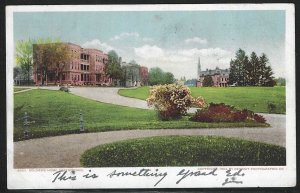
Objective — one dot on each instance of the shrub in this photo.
(271, 107)
(225, 113)
(63, 88)
(184, 151)
(199, 102)
(170, 100)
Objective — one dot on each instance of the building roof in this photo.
(215, 71)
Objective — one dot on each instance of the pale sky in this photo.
(171, 40)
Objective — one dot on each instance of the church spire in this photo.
(199, 67)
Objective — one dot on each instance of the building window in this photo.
(87, 68)
(81, 77)
(81, 67)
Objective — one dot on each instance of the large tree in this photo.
(253, 70)
(158, 76)
(51, 58)
(24, 58)
(266, 74)
(24, 55)
(155, 76)
(208, 81)
(113, 68)
(240, 62)
(168, 78)
(267, 78)
(233, 75)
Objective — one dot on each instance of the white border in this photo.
(36, 179)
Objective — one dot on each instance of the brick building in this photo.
(220, 77)
(85, 67)
(144, 75)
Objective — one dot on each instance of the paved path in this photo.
(108, 95)
(25, 90)
(65, 151)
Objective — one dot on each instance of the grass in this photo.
(54, 113)
(184, 151)
(251, 98)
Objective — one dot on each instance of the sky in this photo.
(171, 40)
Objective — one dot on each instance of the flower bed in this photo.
(225, 113)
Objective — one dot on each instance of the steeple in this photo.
(199, 67)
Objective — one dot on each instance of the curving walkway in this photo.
(108, 95)
(65, 151)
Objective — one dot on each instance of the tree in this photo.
(233, 75)
(18, 74)
(269, 79)
(280, 81)
(17, 71)
(51, 59)
(24, 58)
(253, 70)
(240, 61)
(158, 76)
(208, 81)
(168, 78)
(113, 67)
(155, 76)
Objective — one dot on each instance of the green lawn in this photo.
(252, 98)
(56, 113)
(184, 151)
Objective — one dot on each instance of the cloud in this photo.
(206, 52)
(125, 35)
(148, 52)
(196, 40)
(97, 44)
(182, 62)
(146, 39)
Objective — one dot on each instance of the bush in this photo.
(184, 151)
(63, 88)
(225, 113)
(271, 107)
(170, 100)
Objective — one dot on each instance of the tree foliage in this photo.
(24, 58)
(113, 68)
(280, 81)
(51, 58)
(158, 76)
(250, 72)
(208, 81)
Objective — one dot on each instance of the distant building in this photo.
(144, 75)
(219, 76)
(134, 75)
(85, 67)
(131, 74)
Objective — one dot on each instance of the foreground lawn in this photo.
(184, 151)
(252, 98)
(57, 113)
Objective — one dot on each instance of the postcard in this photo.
(150, 96)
